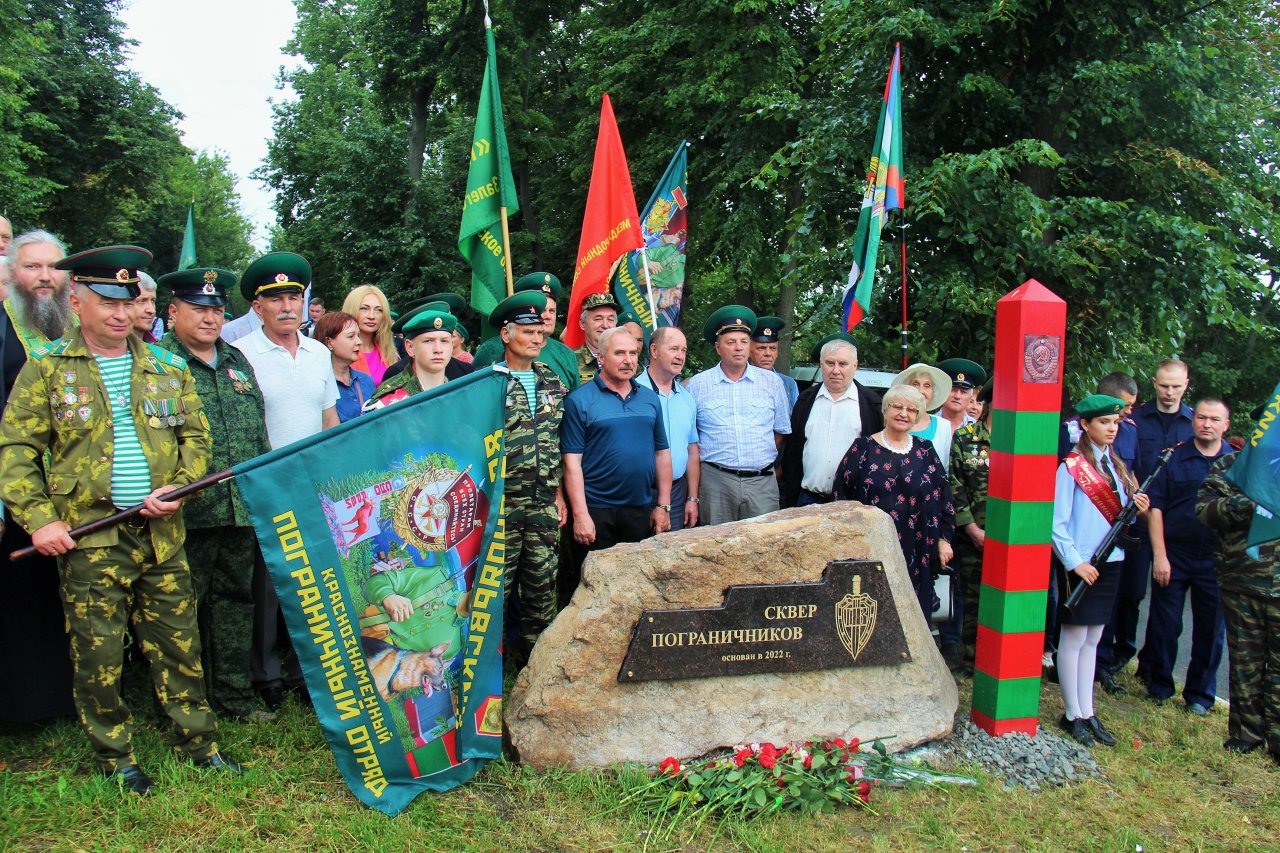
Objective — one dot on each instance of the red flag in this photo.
(611, 225)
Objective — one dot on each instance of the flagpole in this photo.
(902, 231)
(648, 285)
(506, 232)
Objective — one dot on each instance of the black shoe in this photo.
(219, 762)
(1158, 701)
(272, 697)
(1100, 733)
(1107, 679)
(1081, 732)
(132, 779)
(1243, 747)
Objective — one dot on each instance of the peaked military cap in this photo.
(1098, 405)
(730, 318)
(400, 323)
(767, 330)
(274, 274)
(199, 286)
(523, 309)
(601, 300)
(544, 281)
(430, 321)
(963, 372)
(816, 355)
(110, 271)
(629, 316)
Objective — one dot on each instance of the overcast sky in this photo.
(216, 61)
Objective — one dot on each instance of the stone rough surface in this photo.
(568, 708)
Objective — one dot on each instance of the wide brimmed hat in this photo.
(941, 383)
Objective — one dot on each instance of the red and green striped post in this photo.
(1030, 327)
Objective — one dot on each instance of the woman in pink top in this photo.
(369, 306)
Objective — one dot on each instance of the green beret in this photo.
(274, 274)
(200, 286)
(601, 300)
(544, 281)
(629, 316)
(524, 309)
(730, 318)
(816, 354)
(430, 321)
(399, 325)
(1097, 405)
(767, 329)
(963, 372)
(110, 271)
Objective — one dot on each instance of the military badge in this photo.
(856, 619)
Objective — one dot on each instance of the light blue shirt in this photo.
(680, 417)
(1078, 525)
(737, 420)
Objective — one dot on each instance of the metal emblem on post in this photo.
(856, 619)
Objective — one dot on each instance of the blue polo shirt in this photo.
(679, 419)
(1156, 432)
(617, 438)
(1174, 494)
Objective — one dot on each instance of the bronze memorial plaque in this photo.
(846, 619)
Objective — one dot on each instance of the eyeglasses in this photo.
(900, 407)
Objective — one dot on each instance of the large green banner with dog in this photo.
(384, 540)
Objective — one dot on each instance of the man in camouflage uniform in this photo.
(64, 440)
(221, 547)
(970, 464)
(1251, 604)
(533, 499)
(554, 353)
(599, 314)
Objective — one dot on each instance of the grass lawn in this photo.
(1169, 786)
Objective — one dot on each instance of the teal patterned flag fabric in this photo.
(187, 257)
(664, 226)
(1257, 473)
(383, 537)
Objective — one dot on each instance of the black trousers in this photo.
(614, 524)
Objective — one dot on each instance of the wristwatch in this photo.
(666, 507)
(693, 500)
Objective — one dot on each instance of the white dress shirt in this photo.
(834, 422)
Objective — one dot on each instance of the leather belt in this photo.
(744, 474)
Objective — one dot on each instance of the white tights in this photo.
(1077, 659)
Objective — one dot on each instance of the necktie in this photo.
(1108, 474)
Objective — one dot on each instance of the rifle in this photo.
(129, 512)
(1116, 535)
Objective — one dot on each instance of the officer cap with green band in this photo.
(963, 372)
(275, 274)
(543, 281)
(767, 330)
(429, 321)
(730, 318)
(1099, 405)
(110, 271)
(523, 309)
(200, 286)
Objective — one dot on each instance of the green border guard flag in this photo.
(187, 257)
(383, 538)
(664, 226)
(1257, 473)
(490, 188)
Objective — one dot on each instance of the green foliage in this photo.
(91, 152)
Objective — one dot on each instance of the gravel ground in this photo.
(1043, 761)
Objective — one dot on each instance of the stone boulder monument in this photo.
(821, 638)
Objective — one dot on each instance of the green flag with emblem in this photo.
(490, 190)
(187, 258)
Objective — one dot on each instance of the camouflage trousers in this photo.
(968, 576)
(222, 560)
(100, 586)
(533, 557)
(1253, 646)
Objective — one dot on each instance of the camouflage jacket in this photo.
(234, 408)
(970, 463)
(59, 406)
(1222, 507)
(533, 438)
(555, 355)
(588, 364)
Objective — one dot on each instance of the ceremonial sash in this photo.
(30, 338)
(1094, 485)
